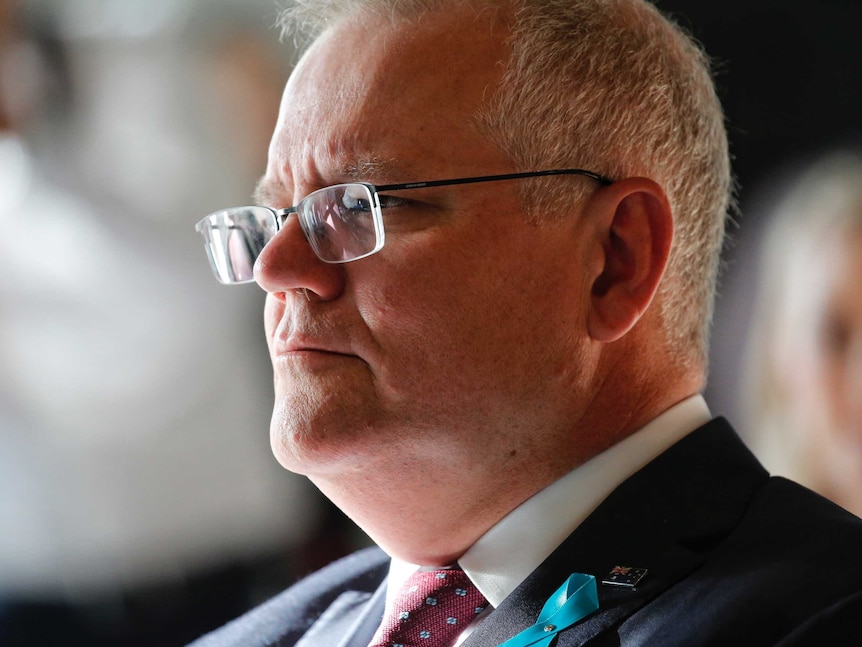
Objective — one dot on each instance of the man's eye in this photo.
(389, 201)
(355, 202)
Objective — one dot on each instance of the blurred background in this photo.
(139, 500)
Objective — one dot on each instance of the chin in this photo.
(308, 439)
(298, 445)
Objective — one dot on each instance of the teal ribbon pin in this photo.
(577, 598)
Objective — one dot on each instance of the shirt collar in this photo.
(512, 549)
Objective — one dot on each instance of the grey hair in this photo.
(305, 20)
(616, 87)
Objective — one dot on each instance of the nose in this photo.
(288, 264)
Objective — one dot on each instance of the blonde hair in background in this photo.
(615, 87)
(823, 208)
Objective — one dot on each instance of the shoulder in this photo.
(838, 624)
(791, 505)
(792, 555)
(791, 568)
(786, 521)
(771, 555)
(286, 617)
(788, 571)
(807, 537)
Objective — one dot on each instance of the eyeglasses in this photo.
(342, 223)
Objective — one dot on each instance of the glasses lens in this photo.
(235, 238)
(342, 222)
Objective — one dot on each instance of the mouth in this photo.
(299, 349)
(310, 352)
(297, 338)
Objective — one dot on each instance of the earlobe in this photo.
(636, 232)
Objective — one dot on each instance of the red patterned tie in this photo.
(432, 609)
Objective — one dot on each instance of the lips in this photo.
(293, 341)
(298, 334)
(297, 344)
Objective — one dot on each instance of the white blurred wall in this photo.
(135, 391)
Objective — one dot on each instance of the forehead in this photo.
(371, 89)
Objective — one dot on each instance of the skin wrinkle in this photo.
(373, 170)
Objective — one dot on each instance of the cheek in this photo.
(419, 324)
(451, 323)
(442, 301)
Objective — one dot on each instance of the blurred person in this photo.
(803, 383)
(137, 505)
(489, 235)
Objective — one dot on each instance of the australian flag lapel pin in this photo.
(625, 576)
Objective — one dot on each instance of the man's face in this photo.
(463, 336)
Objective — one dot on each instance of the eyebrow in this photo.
(263, 194)
(373, 170)
(376, 170)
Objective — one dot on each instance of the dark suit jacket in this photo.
(734, 558)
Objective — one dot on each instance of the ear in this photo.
(635, 235)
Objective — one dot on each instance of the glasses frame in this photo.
(281, 215)
(601, 179)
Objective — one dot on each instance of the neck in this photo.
(431, 512)
(432, 517)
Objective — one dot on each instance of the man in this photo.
(501, 375)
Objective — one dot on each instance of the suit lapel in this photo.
(350, 621)
(519, 611)
(616, 603)
(664, 518)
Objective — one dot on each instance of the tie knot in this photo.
(431, 609)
